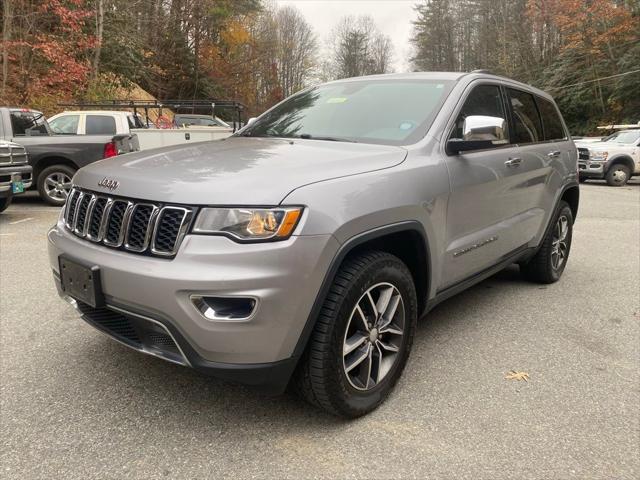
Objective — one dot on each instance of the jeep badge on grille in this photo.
(109, 183)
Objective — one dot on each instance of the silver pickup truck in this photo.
(55, 158)
(15, 172)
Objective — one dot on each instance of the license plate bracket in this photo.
(81, 282)
(17, 185)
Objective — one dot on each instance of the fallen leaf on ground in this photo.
(513, 375)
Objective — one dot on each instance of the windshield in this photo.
(628, 136)
(28, 122)
(391, 112)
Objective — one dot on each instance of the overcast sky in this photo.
(392, 17)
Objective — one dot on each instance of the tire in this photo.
(618, 175)
(322, 377)
(61, 176)
(549, 262)
(5, 202)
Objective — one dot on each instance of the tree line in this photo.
(245, 50)
(256, 52)
(586, 53)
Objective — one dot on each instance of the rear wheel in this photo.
(54, 184)
(4, 203)
(618, 175)
(551, 259)
(362, 337)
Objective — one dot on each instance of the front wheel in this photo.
(362, 337)
(54, 184)
(618, 175)
(549, 262)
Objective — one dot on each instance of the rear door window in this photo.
(67, 124)
(551, 122)
(526, 120)
(27, 123)
(100, 125)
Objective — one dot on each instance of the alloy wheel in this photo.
(559, 246)
(57, 185)
(373, 337)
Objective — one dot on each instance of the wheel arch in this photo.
(624, 160)
(48, 162)
(571, 195)
(407, 240)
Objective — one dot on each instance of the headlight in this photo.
(249, 224)
(599, 156)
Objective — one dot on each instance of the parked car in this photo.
(15, 172)
(616, 158)
(124, 122)
(55, 158)
(306, 247)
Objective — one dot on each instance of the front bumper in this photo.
(284, 277)
(591, 168)
(7, 174)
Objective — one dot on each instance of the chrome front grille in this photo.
(583, 153)
(12, 154)
(139, 227)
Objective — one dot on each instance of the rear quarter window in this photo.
(100, 125)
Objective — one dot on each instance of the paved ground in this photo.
(75, 404)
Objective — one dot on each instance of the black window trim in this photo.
(452, 119)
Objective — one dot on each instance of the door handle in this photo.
(555, 153)
(513, 162)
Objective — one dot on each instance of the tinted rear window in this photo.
(28, 123)
(527, 126)
(100, 125)
(551, 122)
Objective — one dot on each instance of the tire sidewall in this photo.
(385, 270)
(41, 181)
(612, 170)
(566, 211)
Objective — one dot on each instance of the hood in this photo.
(234, 171)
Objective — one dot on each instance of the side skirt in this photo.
(512, 257)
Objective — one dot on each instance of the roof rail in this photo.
(481, 70)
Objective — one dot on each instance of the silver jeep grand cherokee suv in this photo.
(304, 248)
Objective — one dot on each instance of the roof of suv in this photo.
(451, 76)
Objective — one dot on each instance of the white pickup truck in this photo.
(86, 122)
(616, 158)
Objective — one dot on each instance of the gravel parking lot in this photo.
(75, 404)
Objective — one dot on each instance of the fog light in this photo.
(224, 308)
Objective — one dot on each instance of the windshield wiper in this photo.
(308, 136)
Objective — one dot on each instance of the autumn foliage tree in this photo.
(584, 52)
(46, 45)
